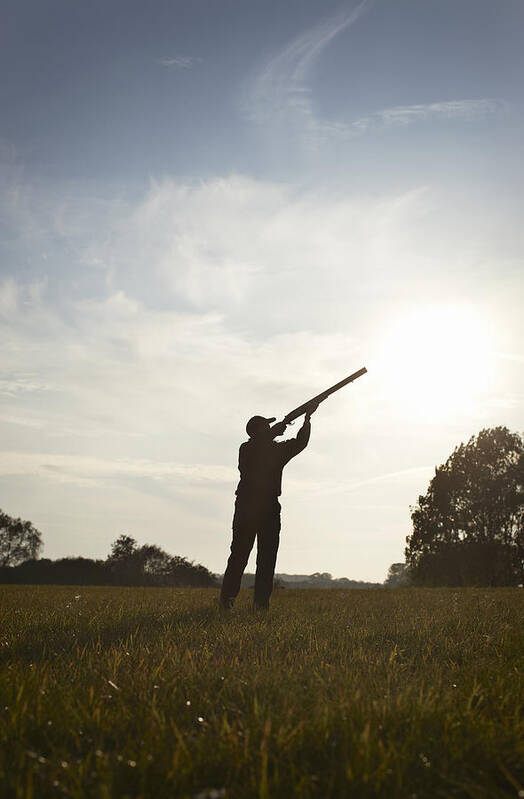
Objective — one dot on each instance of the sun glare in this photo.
(436, 361)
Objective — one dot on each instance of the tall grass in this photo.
(140, 692)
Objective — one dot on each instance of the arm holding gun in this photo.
(279, 428)
(309, 407)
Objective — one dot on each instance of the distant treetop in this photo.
(19, 540)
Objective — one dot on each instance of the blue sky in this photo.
(216, 209)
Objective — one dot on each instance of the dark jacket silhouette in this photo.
(257, 509)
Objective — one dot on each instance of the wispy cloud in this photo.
(15, 384)
(402, 115)
(179, 61)
(279, 89)
(331, 487)
(279, 92)
(82, 469)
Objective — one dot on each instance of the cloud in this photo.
(286, 72)
(22, 384)
(278, 94)
(113, 369)
(401, 474)
(86, 470)
(402, 115)
(179, 61)
(133, 354)
(220, 247)
(279, 91)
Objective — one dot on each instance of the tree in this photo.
(398, 575)
(124, 561)
(151, 565)
(123, 548)
(156, 565)
(19, 540)
(468, 529)
(155, 560)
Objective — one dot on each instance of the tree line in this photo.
(127, 564)
(315, 580)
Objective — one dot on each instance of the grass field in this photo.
(128, 692)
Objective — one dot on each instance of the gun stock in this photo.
(290, 417)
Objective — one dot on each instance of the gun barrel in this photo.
(322, 396)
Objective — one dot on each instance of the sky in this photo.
(213, 210)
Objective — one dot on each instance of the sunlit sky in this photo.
(216, 209)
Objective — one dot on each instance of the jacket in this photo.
(261, 462)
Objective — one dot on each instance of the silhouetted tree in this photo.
(155, 561)
(468, 529)
(123, 548)
(398, 575)
(19, 540)
(124, 561)
(151, 565)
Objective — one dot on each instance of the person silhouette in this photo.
(257, 509)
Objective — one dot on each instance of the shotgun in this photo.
(290, 417)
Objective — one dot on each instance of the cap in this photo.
(256, 422)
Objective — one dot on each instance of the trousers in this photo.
(251, 521)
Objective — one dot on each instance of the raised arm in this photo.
(302, 437)
(295, 445)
